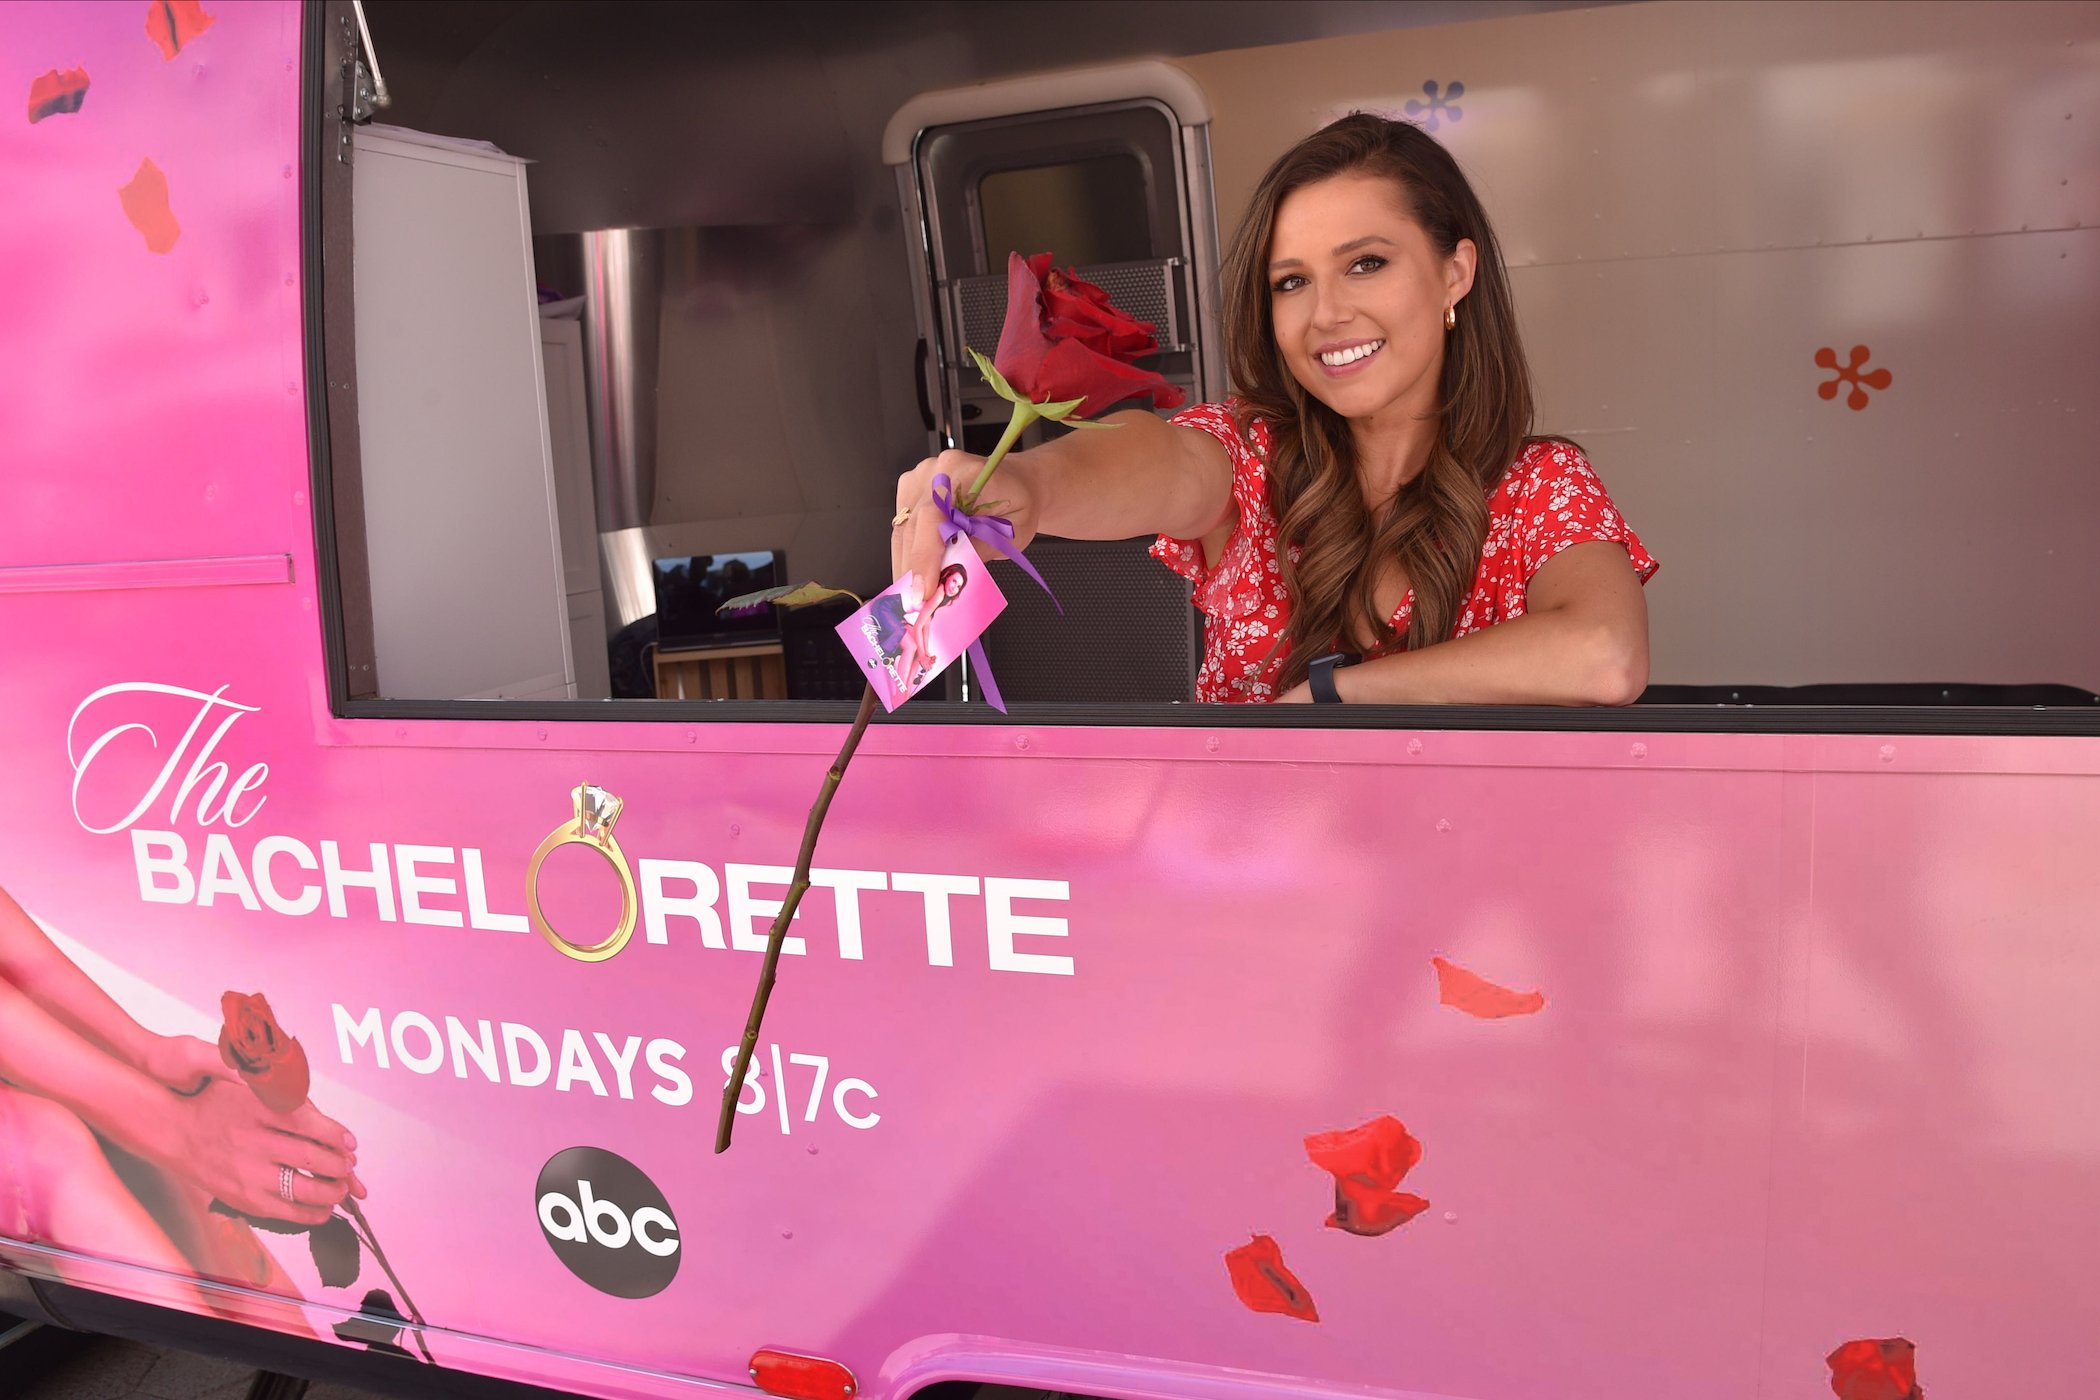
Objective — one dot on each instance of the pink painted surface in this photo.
(1809, 1068)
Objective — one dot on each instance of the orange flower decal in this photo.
(56, 93)
(1476, 996)
(146, 205)
(173, 23)
(1885, 1369)
(1367, 1164)
(1265, 1284)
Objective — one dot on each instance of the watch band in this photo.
(1319, 677)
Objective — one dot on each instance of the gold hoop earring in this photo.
(1451, 318)
(596, 811)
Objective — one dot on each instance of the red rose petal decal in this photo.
(1476, 996)
(173, 23)
(57, 93)
(1264, 1284)
(1367, 1163)
(1381, 1152)
(146, 205)
(1871, 1369)
(1362, 1209)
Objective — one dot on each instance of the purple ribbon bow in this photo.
(998, 532)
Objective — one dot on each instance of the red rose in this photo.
(1064, 339)
(1264, 1284)
(1868, 1369)
(271, 1062)
(1367, 1164)
(1075, 309)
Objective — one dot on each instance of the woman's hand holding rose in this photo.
(916, 544)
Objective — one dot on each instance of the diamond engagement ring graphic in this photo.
(596, 811)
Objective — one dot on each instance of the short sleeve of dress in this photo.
(1234, 586)
(1560, 502)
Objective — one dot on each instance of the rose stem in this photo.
(1024, 414)
(371, 1239)
(776, 935)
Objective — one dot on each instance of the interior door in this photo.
(1120, 192)
(1103, 189)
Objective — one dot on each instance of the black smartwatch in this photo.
(1319, 677)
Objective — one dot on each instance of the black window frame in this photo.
(319, 135)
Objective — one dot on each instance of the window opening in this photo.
(689, 358)
(1090, 211)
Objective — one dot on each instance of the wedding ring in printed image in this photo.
(285, 1177)
(596, 811)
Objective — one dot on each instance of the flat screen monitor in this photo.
(690, 587)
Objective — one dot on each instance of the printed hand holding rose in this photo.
(234, 1146)
(310, 1155)
(182, 1063)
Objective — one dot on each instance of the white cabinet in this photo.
(471, 589)
(576, 508)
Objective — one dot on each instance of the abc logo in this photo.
(607, 1222)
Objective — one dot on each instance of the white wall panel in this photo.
(1655, 129)
(1937, 533)
(1946, 531)
(1844, 122)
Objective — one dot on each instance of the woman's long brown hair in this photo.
(1437, 523)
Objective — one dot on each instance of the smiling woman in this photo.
(1373, 491)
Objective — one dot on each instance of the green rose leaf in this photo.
(1056, 412)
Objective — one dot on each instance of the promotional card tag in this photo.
(902, 642)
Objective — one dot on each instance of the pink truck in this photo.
(368, 777)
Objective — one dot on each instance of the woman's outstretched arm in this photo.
(1143, 477)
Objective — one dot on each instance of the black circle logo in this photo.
(607, 1222)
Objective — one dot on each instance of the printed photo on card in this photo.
(902, 642)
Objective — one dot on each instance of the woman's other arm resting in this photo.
(1143, 477)
(47, 976)
(1583, 640)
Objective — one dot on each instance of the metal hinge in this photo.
(364, 87)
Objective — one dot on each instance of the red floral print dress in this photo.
(1550, 498)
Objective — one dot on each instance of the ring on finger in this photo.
(285, 1178)
(900, 517)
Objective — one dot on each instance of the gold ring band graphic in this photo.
(596, 811)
